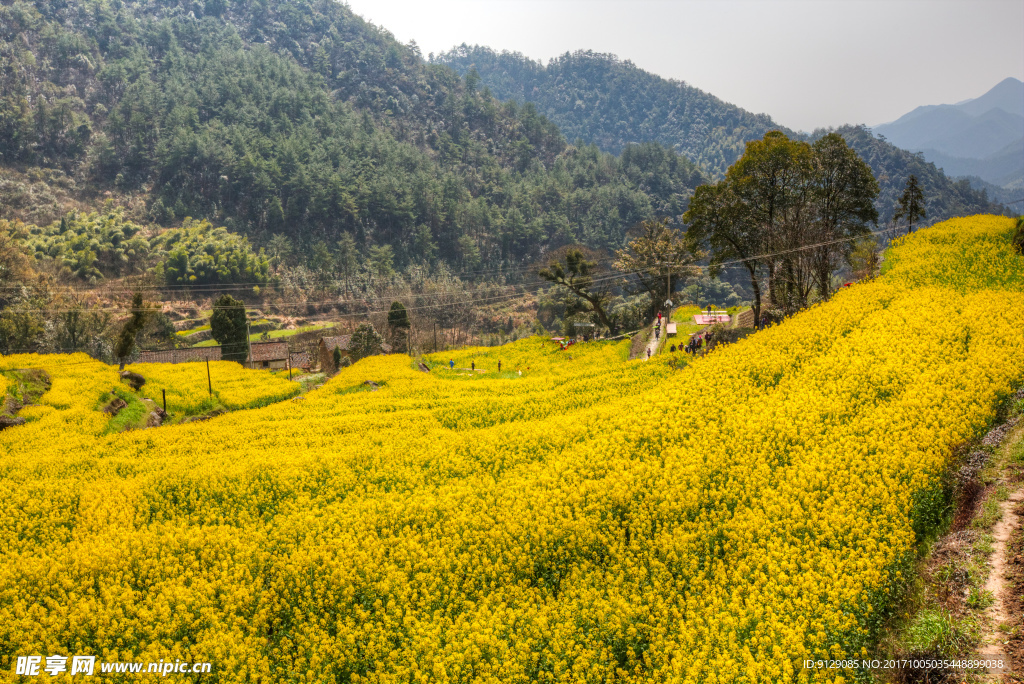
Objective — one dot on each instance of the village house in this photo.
(325, 351)
(301, 360)
(180, 355)
(272, 355)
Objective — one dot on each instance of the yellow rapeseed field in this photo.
(188, 387)
(591, 520)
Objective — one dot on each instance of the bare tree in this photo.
(660, 256)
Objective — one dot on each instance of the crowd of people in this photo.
(695, 345)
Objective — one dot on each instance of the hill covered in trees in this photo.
(598, 98)
(612, 103)
(299, 119)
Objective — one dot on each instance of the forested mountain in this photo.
(299, 118)
(599, 99)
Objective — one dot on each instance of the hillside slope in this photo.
(590, 519)
(602, 100)
(299, 118)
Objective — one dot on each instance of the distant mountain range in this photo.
(982, 138)
(600, 99)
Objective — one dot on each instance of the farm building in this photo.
(180, 355)
(268, 355)
(325, 350)
(301, 360)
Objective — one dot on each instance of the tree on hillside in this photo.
(366, 341)
(347, 259)
(140, 314)
(227, 326)
(280, 249)
(844, 192)
(398, 322)
(718, 218)
(577, 276)
(15, 267)
(660, 257)
(381, 262)
(910, 205)
(788, 210)
(772, 180)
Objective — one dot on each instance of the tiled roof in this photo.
(269, 351)
(300, 360)
(339, 341)
(181, 355)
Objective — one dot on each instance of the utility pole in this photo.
(209, 383)
(248, 339)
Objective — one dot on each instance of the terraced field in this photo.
(590, 519)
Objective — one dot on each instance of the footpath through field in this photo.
(653, 341)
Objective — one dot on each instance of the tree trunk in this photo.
(756, 287)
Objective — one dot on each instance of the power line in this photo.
(736, 263)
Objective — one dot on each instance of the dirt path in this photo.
(653, 342)
(652, 346)
(997, 614)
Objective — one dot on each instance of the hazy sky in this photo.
(807, 63)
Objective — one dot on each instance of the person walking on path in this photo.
(472, 365)
(648, 353)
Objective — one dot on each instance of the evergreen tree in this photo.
(125, 344)
(910, 205)
(228, 328)
(366, 341)
(398, 317)
(398, 322)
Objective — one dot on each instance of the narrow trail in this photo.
(652, 346)
(652, 341)
(998, 616)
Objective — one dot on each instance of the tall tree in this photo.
(717, 217)
(366, 341)
(140, 314)
(772, 179)
(790, 209)
(577, 276)
(844, 195)
(347, 258)
(910, 205)
(398, 322)
(660, 256)
(227, 326)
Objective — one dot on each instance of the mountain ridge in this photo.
(970, 138)
(713, 134)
